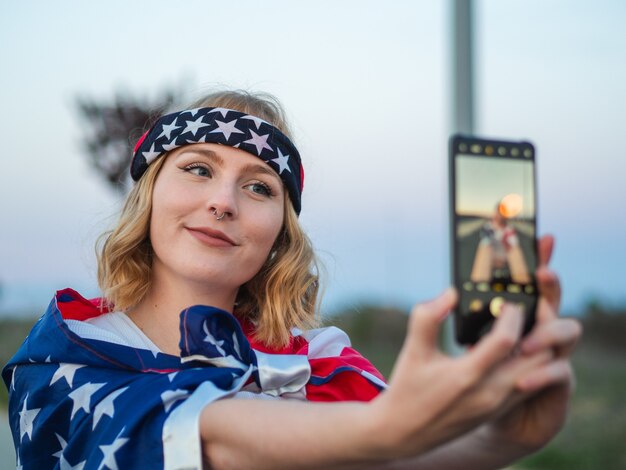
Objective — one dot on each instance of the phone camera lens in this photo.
(495, 306)
(515, 152)
(528, 153)
(501, 151)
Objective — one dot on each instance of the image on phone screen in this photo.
(493, 231)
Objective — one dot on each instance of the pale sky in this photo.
(366, 86)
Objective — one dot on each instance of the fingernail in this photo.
(513, 308)
(450, 294)
(443, 316)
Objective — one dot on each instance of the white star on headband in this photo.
(282, 161)
(150, 155)
(222, 111)
(201, 140)
(172, 146)
(193, 126)
(192, 111)
(226, 128)
(257, 121)
(167, 130)
(259, 141)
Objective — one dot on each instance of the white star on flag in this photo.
(63, 463)
(236, 345)
(13, 378)
(106, 407)
(167, 129)
(150, 154)
(66, 371)
(257, 121)
(227, 128)
(193, 126)
(282, 161)
(62, 443)
(26, 420)
(209, 338)
(110, 450)
(259, 141)
(18, 464)
(222, 111)
(171, 375)
(169, 397)
(82, 396)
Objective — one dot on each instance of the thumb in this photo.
(426, 320)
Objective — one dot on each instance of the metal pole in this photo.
(462, 67)
(462, 103)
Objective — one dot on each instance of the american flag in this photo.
(81, 403)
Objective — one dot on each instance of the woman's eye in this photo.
(199, 170)
(260, 188)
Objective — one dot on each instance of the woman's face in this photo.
(197, 182)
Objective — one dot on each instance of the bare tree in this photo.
(112, 128)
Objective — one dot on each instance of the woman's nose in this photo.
(222, 202)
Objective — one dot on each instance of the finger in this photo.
(549, 287)
(553, 373)
(545, 247)
(426, 320)
(521, 365)
(560, 335)
(500, 342)
(545, 313)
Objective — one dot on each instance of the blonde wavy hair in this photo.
(281, 296)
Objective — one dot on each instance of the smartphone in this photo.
(493, 224)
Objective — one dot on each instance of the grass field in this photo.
(595, 434)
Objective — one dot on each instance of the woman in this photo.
(202, 351)
(499, 255)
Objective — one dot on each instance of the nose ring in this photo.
(218, 217)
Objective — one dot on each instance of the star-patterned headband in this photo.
(226, 127)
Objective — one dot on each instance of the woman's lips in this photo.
(211, 237)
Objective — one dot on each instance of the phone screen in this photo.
(493, 225)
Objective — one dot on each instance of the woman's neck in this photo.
(158, 313)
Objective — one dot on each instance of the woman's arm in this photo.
(285, 434)
(484, 409)
(432, 399)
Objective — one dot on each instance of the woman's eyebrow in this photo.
(210, 154)
(260, 168)
(219, 161)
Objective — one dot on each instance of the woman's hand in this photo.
(547, 389)
(433, 399)
(481, 410)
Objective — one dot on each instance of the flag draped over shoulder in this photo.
(84, 403)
